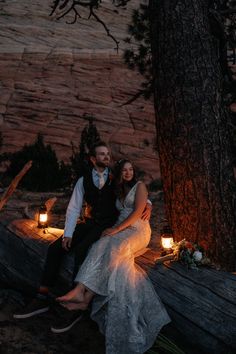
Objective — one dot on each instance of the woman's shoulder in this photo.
(140, 185)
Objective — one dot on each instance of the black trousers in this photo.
(84, 236)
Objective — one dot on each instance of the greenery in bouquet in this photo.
(191, 254)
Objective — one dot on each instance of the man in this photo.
(96, 188)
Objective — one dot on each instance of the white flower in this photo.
(197, 256)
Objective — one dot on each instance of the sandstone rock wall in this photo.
(53, 73)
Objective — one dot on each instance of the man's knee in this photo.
(56, 246)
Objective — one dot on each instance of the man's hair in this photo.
(92, 151)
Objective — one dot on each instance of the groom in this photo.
(96, 188)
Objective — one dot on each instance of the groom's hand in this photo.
(66, 243)
(146, 215)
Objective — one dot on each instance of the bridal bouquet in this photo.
(191, 254)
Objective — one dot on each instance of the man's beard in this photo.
(102, 164)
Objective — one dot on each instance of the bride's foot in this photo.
(75, 305)
(76, 295)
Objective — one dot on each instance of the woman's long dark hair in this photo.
(121, 186)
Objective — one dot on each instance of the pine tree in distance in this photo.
(80, 163)
(139, 56)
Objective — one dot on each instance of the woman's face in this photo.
(127, 172)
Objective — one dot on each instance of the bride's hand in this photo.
(109, 232)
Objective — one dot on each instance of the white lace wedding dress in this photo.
(127, 308)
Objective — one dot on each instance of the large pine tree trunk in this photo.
(192, 128)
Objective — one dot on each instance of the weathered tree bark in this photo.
(192, 129)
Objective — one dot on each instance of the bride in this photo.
(125, 304)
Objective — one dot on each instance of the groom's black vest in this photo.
(101, 201)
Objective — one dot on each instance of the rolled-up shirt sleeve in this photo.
(74, 208)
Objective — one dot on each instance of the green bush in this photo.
(46, 173)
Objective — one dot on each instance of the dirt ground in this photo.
(33, 336)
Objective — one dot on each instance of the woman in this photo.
(126, 307)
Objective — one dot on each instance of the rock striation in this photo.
(54, 74)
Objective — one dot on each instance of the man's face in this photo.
(102, 158)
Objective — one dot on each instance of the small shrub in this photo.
(46, 173)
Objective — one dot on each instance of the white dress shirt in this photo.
(76, 202)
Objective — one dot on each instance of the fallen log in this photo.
(29, 213)
(23, 252)
(49, 203)
(33, 214)
(14, 184)
(201, 303)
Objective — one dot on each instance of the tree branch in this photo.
(92, 13)
(67, 6)
(14, 184)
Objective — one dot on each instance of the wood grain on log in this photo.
(50, 202)
(23, 252)
(28, 230)
(201, 303)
